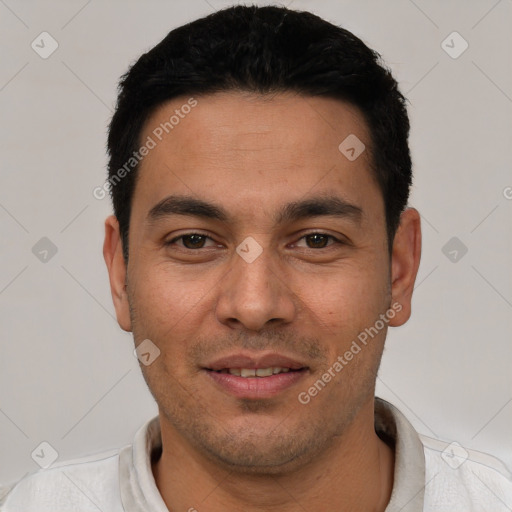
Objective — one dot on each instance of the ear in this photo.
(113, 254)
(405, 261)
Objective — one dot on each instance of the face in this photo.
(257, 256)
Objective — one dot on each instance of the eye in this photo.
(190, 240)
(194, 241)
(319, 240)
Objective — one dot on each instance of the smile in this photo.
(255, 372)
(255, 383)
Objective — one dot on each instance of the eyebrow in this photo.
(322, 206)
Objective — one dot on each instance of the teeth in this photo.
(252, 372)
(263, 372)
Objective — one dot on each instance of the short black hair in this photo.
(263, 50)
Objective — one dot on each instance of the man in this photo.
(261, 247)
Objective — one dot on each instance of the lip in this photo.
(246, 360)
(255, 387)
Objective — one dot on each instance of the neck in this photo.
(356, 471)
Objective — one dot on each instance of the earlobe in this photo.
(116, 266)
(405, 261)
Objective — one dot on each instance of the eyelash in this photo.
(336, 240)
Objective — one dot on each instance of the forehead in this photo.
(238, 121)
(250, 149)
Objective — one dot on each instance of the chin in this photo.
(252, 453)
(251, 461)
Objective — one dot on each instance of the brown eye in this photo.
(190, 241)
(193, 241)
(317, 240)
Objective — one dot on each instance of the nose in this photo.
(255, 295)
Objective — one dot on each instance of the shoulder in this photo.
(460, 478)
(84, 484)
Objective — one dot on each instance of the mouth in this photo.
(255, 377)
(257, 372)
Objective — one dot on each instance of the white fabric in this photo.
(122, 481)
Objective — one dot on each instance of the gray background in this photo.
(67, 372)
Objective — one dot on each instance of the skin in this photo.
(251, 155)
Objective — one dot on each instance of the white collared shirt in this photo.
(429, 476)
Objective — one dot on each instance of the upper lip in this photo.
(256, 361)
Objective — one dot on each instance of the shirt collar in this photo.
(139, 492)
(409, 476)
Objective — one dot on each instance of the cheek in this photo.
(172, 307)
(347, 298)
(342, 308)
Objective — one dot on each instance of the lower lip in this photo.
(256, 387)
